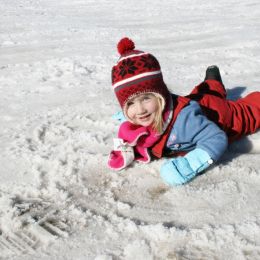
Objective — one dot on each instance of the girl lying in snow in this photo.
(195, 130)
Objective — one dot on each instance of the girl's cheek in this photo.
(129, 113)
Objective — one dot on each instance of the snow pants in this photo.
(237, 118)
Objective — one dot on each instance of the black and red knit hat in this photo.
(136, 72)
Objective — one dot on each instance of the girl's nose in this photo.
(140, 108)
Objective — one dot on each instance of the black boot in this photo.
(212, 72)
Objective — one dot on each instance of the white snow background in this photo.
(58, 200)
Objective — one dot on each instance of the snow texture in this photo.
(58, 200)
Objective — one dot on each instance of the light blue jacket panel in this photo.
(192, 129)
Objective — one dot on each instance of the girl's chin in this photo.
(145, 123)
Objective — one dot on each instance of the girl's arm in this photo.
(204, 140)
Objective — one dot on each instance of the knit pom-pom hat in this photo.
(136, 72)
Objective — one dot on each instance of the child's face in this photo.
(142, 109)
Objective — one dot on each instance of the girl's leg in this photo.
(252, 99)
(209, 87)
(247, 113)
(212, 85)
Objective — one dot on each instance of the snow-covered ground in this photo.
(58, 200)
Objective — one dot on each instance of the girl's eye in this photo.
(146, 97)
(130, 104)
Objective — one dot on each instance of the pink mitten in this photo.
(121, 156)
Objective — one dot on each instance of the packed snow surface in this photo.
(58, 200)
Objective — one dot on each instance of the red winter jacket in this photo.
(236, 118)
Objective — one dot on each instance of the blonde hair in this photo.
(158, 121)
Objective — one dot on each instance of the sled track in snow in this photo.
(39, 226)
(31, 237)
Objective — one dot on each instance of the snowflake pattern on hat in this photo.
(127, 67)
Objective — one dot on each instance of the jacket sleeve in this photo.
(193, 129)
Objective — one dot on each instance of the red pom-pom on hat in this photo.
(125, 45)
